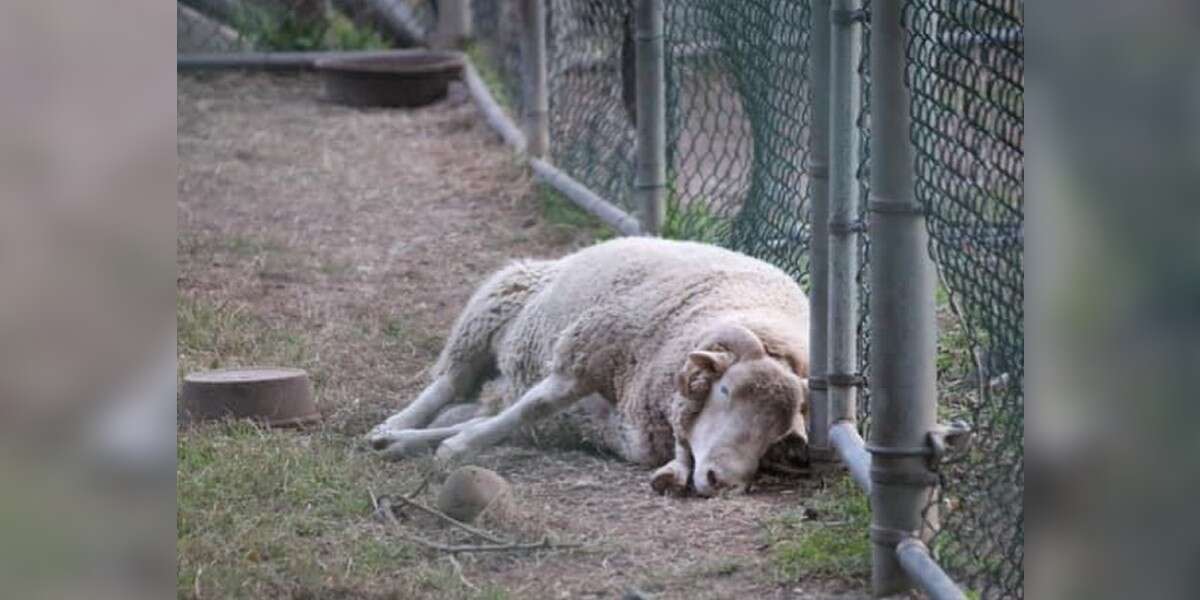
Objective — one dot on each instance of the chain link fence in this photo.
(592, 93)
(590, 71)
(862, 174)
(738, 110)
(497, 52)
(966, 75)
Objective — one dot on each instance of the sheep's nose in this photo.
(714, 482)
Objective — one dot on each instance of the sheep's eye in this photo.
(725, 390)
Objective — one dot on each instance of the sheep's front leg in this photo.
(673, 476)
(410, 442)
(417, 414)
(549, 396)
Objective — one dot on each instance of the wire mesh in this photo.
(966, 72)
(226, 26)
(862, 174)
(738, 107)
(592, 95)
(497, 51)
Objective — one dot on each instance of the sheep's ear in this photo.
(713, 362)
(699, 372)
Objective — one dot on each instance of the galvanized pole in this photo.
(537, 95)
(903, 329)
(650, 179)
(844, 99)
(917, 562)
(818, 265)
(454, 23)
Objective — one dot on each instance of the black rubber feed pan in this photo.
(407, 80)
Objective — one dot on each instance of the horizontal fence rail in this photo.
(614, 217)
(493, 113)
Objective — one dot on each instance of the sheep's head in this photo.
(735, 400)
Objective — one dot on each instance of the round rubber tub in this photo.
(275, 396)
(402, 79)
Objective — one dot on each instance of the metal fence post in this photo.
(537, 95)
(903, 329)
(818, 266)
(454, 22)
(650, 180)
(844, 101)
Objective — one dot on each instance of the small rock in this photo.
(470, 490)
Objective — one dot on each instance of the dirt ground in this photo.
(345, 242)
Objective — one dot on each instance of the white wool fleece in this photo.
(621, 317)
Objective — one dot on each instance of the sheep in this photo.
(678, 355)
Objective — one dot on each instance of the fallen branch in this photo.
(451, 520)
(545, 544)
(385, 507)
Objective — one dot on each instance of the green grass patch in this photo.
(718, 569)
(443, 582)
(281, 513)
(244, 246)
(280, 29)
(958, 557)
(957, 369)
(390, 333)
(345, 34)
(833, 545)
(395, 332)
(336, 267)
(696, 222)
(214, 336)
(954, 358)
(558, 210)
(268, 512)
(394, 327)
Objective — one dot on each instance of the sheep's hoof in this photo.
(452, 450)
(380, 437)
(671, 478)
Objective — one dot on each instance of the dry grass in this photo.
(345, 242)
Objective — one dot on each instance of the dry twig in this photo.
(451, 520)
(544, 544)
(386, 508)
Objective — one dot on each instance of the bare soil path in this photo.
(345, 242)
